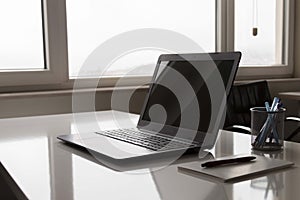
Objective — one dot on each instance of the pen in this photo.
(236, 160)
(272, 117)
(269, 124)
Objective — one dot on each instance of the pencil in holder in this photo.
(267, 128)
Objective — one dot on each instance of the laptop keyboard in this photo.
(144, 139)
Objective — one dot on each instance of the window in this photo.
(263, 31)
(33, 42)
(259, 32)
(47, 41)
(92, 22)
(21, 35)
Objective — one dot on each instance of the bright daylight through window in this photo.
(259, 32)
(260, 29)
(21, 41)
(92, 22)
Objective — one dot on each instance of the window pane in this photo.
(266, 47)
(21, 41)
(91, 22)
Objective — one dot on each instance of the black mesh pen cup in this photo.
(267, 129)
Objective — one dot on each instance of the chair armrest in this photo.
(295, 119)
(239, 128)
(296, 131)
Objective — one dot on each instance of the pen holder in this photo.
(267, 129)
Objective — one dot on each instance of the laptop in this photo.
(182, 113)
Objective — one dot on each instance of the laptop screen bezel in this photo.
(155, 127)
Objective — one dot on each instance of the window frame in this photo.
(268, 71)
(56, 51)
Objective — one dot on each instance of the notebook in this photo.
(235, 172)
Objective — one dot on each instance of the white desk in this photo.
(44, 168)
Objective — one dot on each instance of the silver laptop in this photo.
(182, 112)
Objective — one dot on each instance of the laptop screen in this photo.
(180, 94)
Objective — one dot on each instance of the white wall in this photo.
(30, 105)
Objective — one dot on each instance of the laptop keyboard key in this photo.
(146, 140)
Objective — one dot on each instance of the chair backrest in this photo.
(242, 98)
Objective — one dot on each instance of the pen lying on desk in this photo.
(236, 160)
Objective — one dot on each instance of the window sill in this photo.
(49, 93)
(68, 91)
(271, 80)
(42, 102)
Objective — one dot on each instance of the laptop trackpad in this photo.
(112, 147)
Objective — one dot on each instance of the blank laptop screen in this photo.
(170, 86)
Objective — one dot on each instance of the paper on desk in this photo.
(235, 172)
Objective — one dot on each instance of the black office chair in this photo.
(294, 135)
(245, 96)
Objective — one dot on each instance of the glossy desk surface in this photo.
(45, 168)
